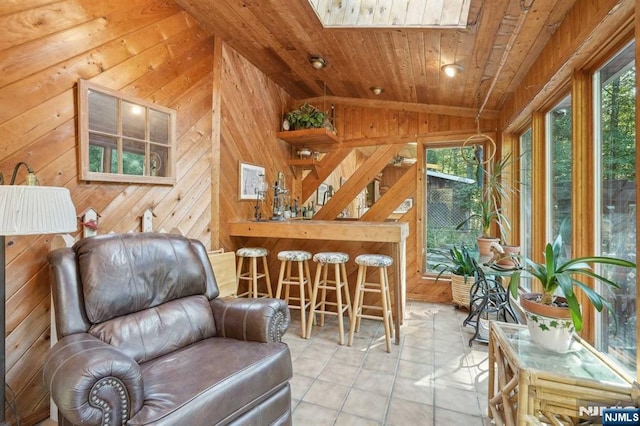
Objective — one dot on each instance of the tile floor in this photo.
(432, 378)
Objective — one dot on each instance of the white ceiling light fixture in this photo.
(376, 90)
(318, 62)
(451, 70)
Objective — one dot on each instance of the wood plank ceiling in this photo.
(279, 36)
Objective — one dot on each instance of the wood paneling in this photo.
(150, 49)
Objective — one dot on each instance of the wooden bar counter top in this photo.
(394, 233)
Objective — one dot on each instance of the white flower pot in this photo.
(550, 327)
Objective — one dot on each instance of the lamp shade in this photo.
(26, 210)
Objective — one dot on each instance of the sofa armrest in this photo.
(260, 320)
(93, 382)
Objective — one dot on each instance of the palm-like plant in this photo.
(461, 262)
(495, 189)
(555, 274)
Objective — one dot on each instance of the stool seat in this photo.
(331, 257)
(252, 252)
(376, 260)
(294, 255)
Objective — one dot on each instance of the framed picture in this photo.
(250, 176)
(322, 189)
(405, 206)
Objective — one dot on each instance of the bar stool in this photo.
(252, 275)
(381, 287)
(303, 278)
(338, 285)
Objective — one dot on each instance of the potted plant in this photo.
(305, 117)
(552, 319)
(462, 267)
(494, 190)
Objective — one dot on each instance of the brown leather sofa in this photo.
(143, 339)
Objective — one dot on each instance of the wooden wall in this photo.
(147, 48)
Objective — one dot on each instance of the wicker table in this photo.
(528, 382)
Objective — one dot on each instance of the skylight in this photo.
(392, 13)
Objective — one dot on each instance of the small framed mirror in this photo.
(123, 138)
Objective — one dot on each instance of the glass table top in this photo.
(578, 362)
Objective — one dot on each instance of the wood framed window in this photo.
(123, 138)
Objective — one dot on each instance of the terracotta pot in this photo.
(549, 326)
(484, 245)
(506, 260)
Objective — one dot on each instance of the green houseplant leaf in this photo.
(563, 277)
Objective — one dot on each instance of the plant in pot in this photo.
(305, 117)
(495, 188)
(462, 267)
(552, 319)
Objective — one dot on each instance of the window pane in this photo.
(525, 199)
(132, 157)
(103, 113)
(453, 195)
(615, 114)
(559, 137)
(133, 120)
(158, 126)
(100, 158)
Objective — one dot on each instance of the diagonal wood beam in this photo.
(327, 165)
(400, 191)
(358, 181)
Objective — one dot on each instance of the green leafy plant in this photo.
(495, 190)
(461, 262)
(557, 275)
(306, 117)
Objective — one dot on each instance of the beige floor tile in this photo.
(326, 394)
(346, 419)
(311, 414)
(381, 361)
(339, 374)
(414, 390)
(348, 355)
(300, 385)
(409, 413)
(415, 370)
(306, 366)
(374, 381)
(366, 404)
(448, 417)
(459, 400)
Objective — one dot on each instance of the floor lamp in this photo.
(27, 210)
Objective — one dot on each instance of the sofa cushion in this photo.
(153, 332)
(122, 274)
(212, 381)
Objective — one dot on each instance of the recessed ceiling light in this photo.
(318, 62)
(451, 70)
(376, 90)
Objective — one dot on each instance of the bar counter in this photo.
(394, 233)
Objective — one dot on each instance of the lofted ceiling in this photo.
(501, 40)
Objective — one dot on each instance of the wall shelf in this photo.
(319, 140)
(305, 164)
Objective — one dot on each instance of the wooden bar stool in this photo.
(252, 275)
(302, 280)
(381, 288)
(338, 285)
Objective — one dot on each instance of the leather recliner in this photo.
(143, 338)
